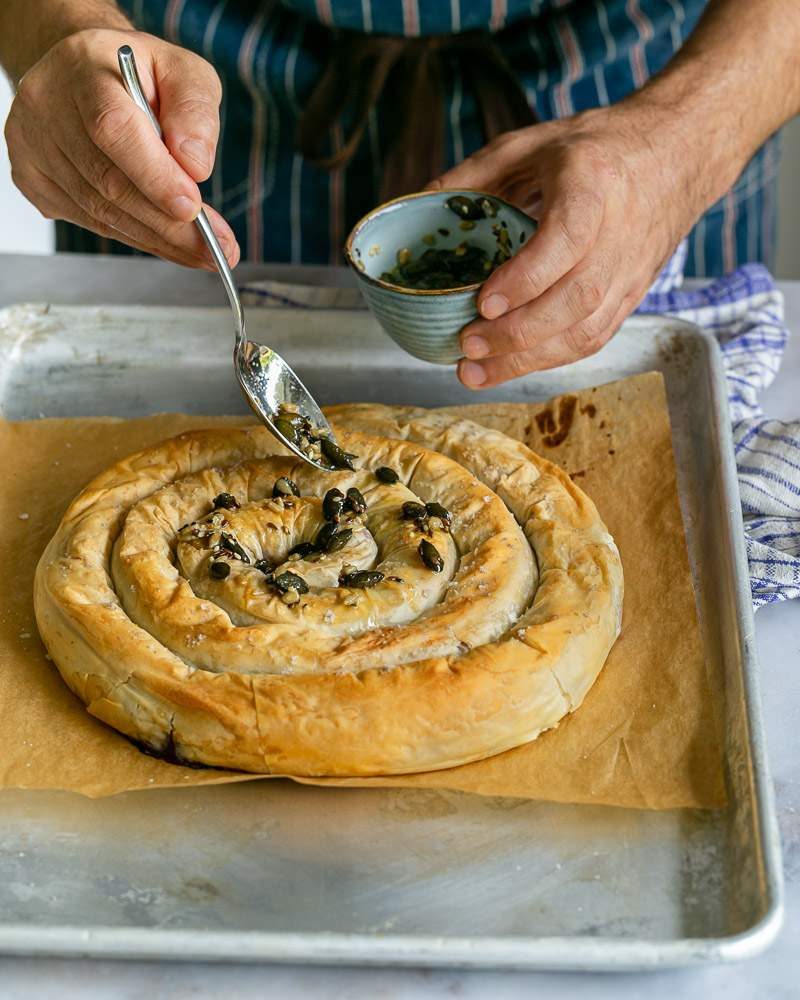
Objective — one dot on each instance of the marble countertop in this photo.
(775, 975)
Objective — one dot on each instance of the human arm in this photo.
(80, 149)
(616, 189)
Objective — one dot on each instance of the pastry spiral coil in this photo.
(216, 600)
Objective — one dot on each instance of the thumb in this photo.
(189, 94)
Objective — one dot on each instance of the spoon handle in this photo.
(130, 77)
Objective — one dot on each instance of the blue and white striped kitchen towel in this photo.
(745, 311)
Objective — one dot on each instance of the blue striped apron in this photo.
(568, 55)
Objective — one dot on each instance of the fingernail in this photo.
(197, 151)
(476, 347)
(472, 374)
(183, 208)
(494, 305)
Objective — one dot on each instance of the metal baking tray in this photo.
(275, 871)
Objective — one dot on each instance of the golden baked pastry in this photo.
(222, 603)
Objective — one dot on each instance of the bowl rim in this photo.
(388, 285)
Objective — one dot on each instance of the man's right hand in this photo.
(82, 151)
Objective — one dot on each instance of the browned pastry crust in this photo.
(424, 670)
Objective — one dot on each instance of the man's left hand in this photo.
(611, 196)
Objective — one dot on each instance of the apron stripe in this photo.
(257, 136)
(295, 192)
(644, 29)
(676, 29)
(605, 30)
(497, 19)
(455, 121)
(602, 89)
(296, 201)
(410, 18)
(366, 15)
(728, 229)
(536, 45)
(209, 35)
(336, 189)
(572, 62)
(172, 20)
(767, 217)
(324, 12)
(455, 16)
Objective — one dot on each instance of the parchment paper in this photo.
(644, 737)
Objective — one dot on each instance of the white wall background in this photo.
(23, 230)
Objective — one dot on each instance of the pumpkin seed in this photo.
(443, 232)
(285, 487)
(219, 570)
(430, 556)
(324, 536)
(443, 269)
(386, 475)
(287, 429)
(413, 511)
(436, 510)
(488, 207)
(338, 457)
(303, 549)
(355, 501)
(338, 540)
(264, 566)
(333, 504)
(429, 239)
(403, 256)
(464, 207)
(291, 581)
(227, 501)
(363, 579)
(230, 544)
(466, 225)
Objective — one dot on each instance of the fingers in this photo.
(491, 168)
(54, 203)
(572, 220)
(581, 296)
(85, 152)
(106, 194)
(124, 135)
(189, 94)
(561, 348)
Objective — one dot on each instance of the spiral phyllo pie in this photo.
(451, 596)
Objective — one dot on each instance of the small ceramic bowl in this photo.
(426, 322)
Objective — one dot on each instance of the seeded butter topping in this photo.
(338, 554)
(312, 441)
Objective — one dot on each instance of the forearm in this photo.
(734, 83)
(29, 28)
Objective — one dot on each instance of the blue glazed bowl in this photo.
(425, 322)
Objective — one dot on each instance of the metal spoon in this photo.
(267, 382)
